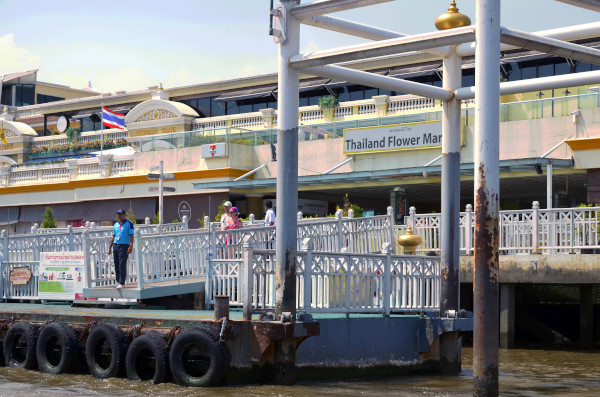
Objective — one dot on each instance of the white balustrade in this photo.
(368, 108)
(343, 111)
(311, 114)
(122, 166)
(402, 103)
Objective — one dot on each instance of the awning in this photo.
(250, 93)
(105, 210)
(9, 215)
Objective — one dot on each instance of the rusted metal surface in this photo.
(221, 307)
(485, 290)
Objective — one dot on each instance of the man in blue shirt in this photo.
(123, 243)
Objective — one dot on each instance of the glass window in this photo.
(203, 107)
(562, 68)
(528, 72)
(343, 94)
(232, 107)
(583, 67)
(216, 108)
(371, 92)
(546, 70)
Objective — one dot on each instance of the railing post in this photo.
(34, 228)
(207, 222)
(299, 216)
(340, 232)
(307, 245)
(139, 258)
(3, 262)
(185, 221)
(351, 213)
(468, 229)
(87, 263)
(535, 227)
(71, 238)
(387, 278)
(247, 278)
(251, 219)
(147, 220)
(412, 213)
(393, 237)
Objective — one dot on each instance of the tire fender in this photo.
(19, 346)
(148, 358)
(105, 351)
(57, 349)
(197, 358)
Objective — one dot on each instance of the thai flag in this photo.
(112, 119)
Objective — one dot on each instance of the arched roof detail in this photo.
(16, 129)
(158, 109)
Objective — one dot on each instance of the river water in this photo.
(522, 373)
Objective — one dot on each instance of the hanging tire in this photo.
(148, 358)
(105, 351)
(19, 346)
(197, 358)
(57, 348)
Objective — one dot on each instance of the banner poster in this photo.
(61, 275)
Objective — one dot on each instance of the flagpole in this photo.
(102, 130)
(2, 138)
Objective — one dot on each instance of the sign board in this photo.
(392, 137)
(20, 275)
(61, 275)
(184, 209)
(214, 150)
(165, 189)
(169, 177)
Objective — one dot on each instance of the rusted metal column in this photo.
(287, 190)
(287, 167)
(221, 307)
(450, 222)
(487, 188)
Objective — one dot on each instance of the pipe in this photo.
(541, 83)
(549, 185)
(434, 160)
(326, 6)
(552, 149)
(377, 81)
(250, 173)
(384, 47)
(487, 189)
(338, 166)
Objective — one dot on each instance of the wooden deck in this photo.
(149, 290)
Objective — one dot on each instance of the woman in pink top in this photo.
(233, 222)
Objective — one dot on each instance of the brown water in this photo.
(522, 373)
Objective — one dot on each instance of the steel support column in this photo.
(487, 188)
(287, 192)
(450, 232)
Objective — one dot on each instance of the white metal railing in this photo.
(402, 103)
(559, 230)
(343, 111)
(337, 282)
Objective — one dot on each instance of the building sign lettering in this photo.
(392, 137)
(20, 275)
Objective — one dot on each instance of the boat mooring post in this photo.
(287, 35)
(487, 189)
(450, 216)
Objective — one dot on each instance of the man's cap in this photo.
(121, 211)
(227, 204)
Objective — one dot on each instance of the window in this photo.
(41, 98)
(25, 94)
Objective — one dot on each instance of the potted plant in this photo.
(72, 134)
(328, 104)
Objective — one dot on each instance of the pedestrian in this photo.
(270, 215)
(123, 243)
(234, 222)
(225, 217)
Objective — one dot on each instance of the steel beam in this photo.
(385, 47)
(593, 5)
(360, 30)
(327, 6)
(487, 189)
(541, 83)
(550, 46)
(377, 81)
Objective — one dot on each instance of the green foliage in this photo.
(130, 216)
(220, 212)
(72, 134)
(49, 221)
(328, 102)
(201, 221)
(348, 205)
(155, 219)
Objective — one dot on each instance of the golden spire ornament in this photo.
(452, 19)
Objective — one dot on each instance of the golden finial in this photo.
(409, 241)
(452, 19)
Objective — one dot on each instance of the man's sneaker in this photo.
(119, 286)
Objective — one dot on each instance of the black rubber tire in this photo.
(197, 358)
(57, 349)
(105, 351)
(148, 358)
(19, 346)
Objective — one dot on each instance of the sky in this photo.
(131, 45)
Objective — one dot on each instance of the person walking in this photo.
(270, 215)
(123, 242)
(233, 222)
(225, 217)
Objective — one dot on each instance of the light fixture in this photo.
(566, 92)
(538, 169)
(540, 94)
